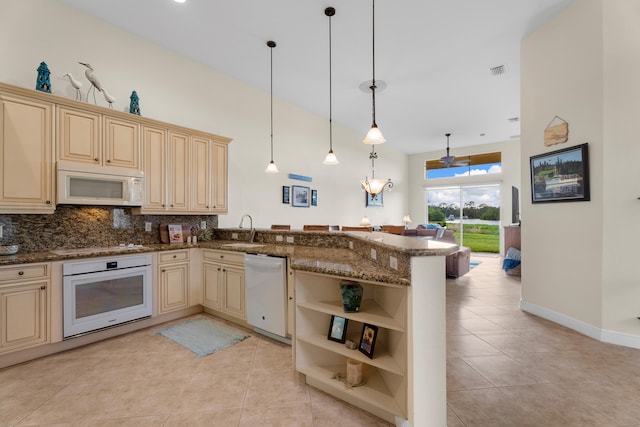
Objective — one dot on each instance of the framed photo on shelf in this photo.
(368, 340)
(338, 329)
(300, 197)
(314, 197)
(285, 194)
(373, 201)
(561, 176)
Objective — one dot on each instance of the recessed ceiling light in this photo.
(179, 1)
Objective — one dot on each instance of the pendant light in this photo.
(374, 136)
(271, 168)
(331, 158)
(374, 185)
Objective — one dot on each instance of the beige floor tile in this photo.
(214, 418)
(329, 412)
(468, 345)
(278, 416)
(275, 387)
(461, 376)
(150, 421)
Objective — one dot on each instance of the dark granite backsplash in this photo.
(89, 226)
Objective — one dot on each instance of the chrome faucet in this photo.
(252, 233)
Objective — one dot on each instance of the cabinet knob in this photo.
(171, 205)
(108, 161)
(163, 205)
(96, 159)
(43, 287)
(175, 256)
(48, 202)
(164, 271)
(20, 273)
(224, 270)
(221, 256)
(219, 269)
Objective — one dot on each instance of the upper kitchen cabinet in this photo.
(26, 159)
(209, 175)
(89, 137)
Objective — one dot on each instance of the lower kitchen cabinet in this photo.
(24, 302)
(223, 283)
(173, 283)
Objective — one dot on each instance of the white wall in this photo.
(579, 257)
(177, 90)
(510, 176)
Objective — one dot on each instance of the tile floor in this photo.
(505, 368)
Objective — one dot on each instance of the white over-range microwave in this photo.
(80, 184)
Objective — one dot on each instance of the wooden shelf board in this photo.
(381, 360)
(373, 397)
(370, 312)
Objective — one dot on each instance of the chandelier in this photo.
(374, 185)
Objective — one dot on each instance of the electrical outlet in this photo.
(374, 254)
(393, 262)
(234, 236)
(350, 245)
(147, 226)
(279, 239)
(289, 239)
(203, 225)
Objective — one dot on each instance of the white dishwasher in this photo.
(266, 282)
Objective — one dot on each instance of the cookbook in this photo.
(175, 233)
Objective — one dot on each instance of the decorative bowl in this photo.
(8, 250)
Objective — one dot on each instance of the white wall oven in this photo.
(104, 292)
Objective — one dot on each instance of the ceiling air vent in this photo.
(497, 71)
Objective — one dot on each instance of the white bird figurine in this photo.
(95, 83)
(76, 84)
(108, 97)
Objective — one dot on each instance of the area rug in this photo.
(201, 336)
(473, 264)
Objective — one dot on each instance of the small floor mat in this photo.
(201, 336)
(473, 264)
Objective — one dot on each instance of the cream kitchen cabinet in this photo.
(209, 175)
(154, 151)
(86, 136)
(24, 306)
(223, 283)
(26, 158)
(173, 280)
(220, 177)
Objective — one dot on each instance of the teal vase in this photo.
(351, 296)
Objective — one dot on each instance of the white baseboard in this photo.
(611, 337)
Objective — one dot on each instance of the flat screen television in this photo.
(515, 206)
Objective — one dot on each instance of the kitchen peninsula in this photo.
(404, 296)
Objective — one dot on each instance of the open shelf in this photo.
(381, 360)
(370, 312)
(374, 396)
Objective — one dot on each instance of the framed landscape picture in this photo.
(285, 194)
(338, 329)
(561, 176)
(300, 196)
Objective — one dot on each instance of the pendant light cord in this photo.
(330, 94)
(271, 90)
(373, 56)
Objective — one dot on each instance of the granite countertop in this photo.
(325, 260)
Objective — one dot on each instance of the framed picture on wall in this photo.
(561, 176)
(375, 201)
(314, 197)
(300, 196)
(285, 194)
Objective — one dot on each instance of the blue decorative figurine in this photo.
(134, 107)
(43, 83)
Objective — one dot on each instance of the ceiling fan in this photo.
(451, 160)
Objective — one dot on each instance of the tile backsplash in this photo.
(88, 226)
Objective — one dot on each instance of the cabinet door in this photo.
(177, 172)
(121, 143)
(23, 315)
(212, 279)
(200, 174)
(234, 291)
(220, 177)
(26, 164)
(154, 151)
(174, 287)
(78, 136)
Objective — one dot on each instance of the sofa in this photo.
(459, 261)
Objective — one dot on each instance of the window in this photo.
(475, 164)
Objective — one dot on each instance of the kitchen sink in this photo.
(242, 245)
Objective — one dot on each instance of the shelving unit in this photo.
(319, 359)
